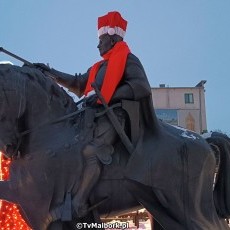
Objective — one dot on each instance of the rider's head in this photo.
(111, 29)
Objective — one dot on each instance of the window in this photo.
(188, 98)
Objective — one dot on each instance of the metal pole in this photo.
(15, 56)
(47, 73)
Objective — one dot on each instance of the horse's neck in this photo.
(42, 111)
(47, 102)
(45, 133)
(50, 137)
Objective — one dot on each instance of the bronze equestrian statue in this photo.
(170, 173)
(53, 145)
(119, 78)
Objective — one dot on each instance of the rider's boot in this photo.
(91, 173)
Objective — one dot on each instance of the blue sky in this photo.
(179, 42)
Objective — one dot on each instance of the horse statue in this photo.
(43, 131)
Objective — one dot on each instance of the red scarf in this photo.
(116, 57)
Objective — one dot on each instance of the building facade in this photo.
(182, 106)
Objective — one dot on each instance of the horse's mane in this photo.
(15, 78)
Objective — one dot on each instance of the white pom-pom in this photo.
(111, 31)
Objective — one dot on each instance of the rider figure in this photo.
(119, 75)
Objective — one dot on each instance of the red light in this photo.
(10, 218)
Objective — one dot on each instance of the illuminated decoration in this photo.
(10, 218)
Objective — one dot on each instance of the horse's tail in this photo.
(222, 182)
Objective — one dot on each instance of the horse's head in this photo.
(12, 107)
(8, 136)
(28, 99)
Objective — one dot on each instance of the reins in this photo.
(60, 119)
(66, 117)
(51, 122)
(20, 135)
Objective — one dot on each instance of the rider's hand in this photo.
(42, 67)
(91, 101)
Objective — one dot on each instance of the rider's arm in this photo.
(123, 91)
(75, 83)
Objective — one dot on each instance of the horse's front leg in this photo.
(6, 191)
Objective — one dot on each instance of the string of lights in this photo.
(10, 218)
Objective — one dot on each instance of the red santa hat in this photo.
(112, 23)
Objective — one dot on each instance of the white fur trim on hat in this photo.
(111, 31)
